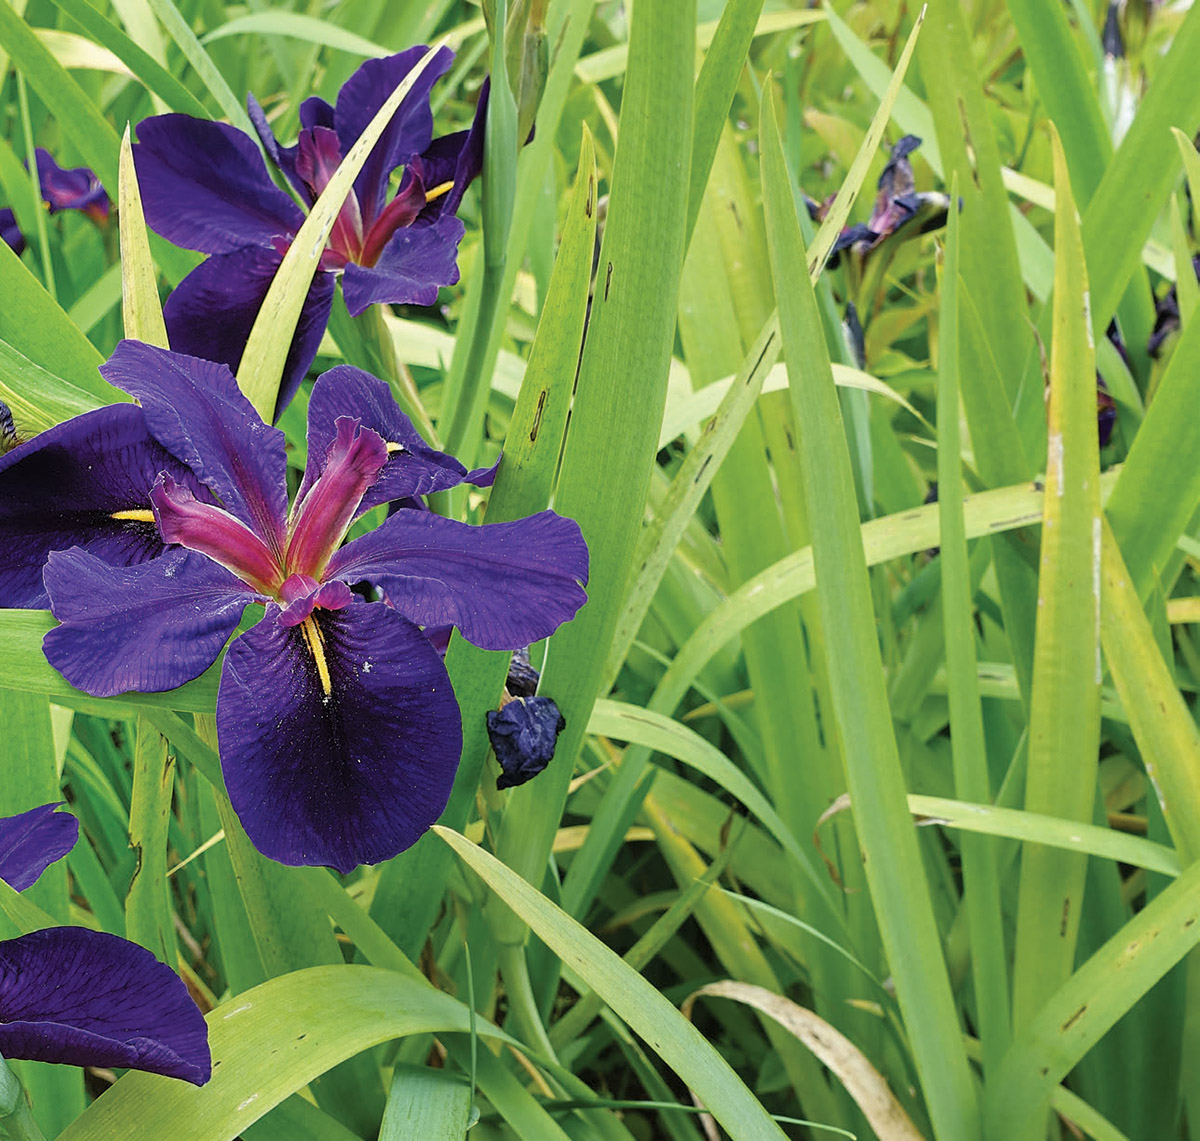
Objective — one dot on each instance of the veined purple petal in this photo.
(196, 410)
(416, 261)
(87, 998)
(408, 133)
(76, 485)
(344, 760)
(211, 311)
(212, 531)
(205, 186)
(413, 467)
(146, 628)
(32, 841)
(77, 189)
(322, 516)
(504, 585)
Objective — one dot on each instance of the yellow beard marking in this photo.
(316, 645)
(438, 191)
(137, 515)
(393, 447)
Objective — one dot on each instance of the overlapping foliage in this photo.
(871, 815)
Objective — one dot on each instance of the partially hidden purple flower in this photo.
(86, 998)
(11, 232)
(76, 189)
(31, 841)
(339, 732)
(205, 186)
(898, 204)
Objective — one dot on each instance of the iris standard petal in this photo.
(416, 261)
(87, 998)
(81, 483)
(413, 467)
(504, 585)
(410, 129)
(283, 157)
(205, 186)
(211, 311)
(323, 514)
(196, 410)
(456, 158)
(31, 841)
(343, 776)
(147, 628)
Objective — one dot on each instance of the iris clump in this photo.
(205, 186)
(339, 731)
(83, 997)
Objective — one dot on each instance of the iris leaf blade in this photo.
(873, 774)
(645, 1009)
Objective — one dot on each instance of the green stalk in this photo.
(467, 385)
(619, 400)
(16, 1121)
(40, 215)
(899, 889)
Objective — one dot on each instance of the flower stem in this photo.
(16, 1121)
(399, 379)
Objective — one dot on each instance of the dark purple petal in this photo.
(212, 531)
(283, 157)
(456, 158)
(504, 585)
(414, 263)
(63, 488)
(32, 841)
(195, 409)
(87, 998)
(329, 505)
(212, 310)
(345, 776)
(413, 467)
(523, 735)
(77, 189)
(408, 133)
(205, 186)
(11, 232)
(146, 628)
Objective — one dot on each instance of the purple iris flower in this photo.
(897, 204)
(69, 994)
(339, 731)
(205, 186)
(77, 189)
(32, 841)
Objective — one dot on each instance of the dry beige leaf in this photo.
(863, 1082)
